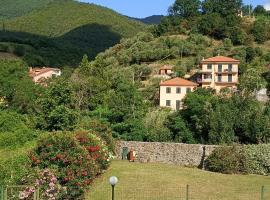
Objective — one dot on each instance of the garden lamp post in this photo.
(113, 181)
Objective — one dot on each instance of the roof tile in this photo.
(178, 82)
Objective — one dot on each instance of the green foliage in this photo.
(253, 159)
(257, 159)
(11, 121)
(14, 168)
(154, 123)
(16, 88)
(59, 40)
(76, 159)
(185, 8)
(101, 129)
(224, 8)
(259, 10)
(260, 30)
(229, 160)
(16, 8)
(55, 111)
(179, 130)
(222, 123)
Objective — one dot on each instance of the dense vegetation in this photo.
(16, 8)
(63, 31)
(253, 159)
(154, 19)
(116, 94)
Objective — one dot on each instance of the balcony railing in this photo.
(227, 71)
(199, 80)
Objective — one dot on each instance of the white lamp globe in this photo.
(113, 180)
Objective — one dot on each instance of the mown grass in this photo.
(161, 181)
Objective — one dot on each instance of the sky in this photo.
(145, 8)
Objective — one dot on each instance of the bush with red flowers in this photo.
(76, 159)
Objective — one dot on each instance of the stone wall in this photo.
(170, 153)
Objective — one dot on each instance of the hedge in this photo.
(252, 159)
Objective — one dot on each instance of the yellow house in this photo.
(219, 72)
(173, 91)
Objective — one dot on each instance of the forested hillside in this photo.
(16, 8)
(114, 91)
(60, 33)
(154, 19)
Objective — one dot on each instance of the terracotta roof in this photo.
(178, 82)
(166, 67)
(220, 59)
(38, 71)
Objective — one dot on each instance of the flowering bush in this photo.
(47, 183)
(76, 159)
(96, 147)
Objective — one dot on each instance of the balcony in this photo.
(222, 82)
(227, 71)
(205, 71)
(199, 80)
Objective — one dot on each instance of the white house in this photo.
(173, 91)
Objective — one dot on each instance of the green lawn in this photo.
(168, 182)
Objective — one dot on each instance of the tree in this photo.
(260, 30)
(252, 80)
(224, 8)
(179, 130)
(247, 10)
(16, 88)
(197, 108)
(213, 25)
(260, 10)
(55, 108)
(185, 8)
(222, 121)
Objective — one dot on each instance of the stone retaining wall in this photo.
(170, 153)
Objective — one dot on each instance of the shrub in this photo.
(253, 159)
(258, 159)
(14, 168)
(77, 159)
(226, 160)
(101, 129)
(17, 138)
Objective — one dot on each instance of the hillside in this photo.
(63, 31)
(154, 19)
(16, 8)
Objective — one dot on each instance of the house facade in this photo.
(219, 72)
(166, 70)
(173, 91)
(39, 75)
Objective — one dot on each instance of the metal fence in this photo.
(177, 193)
(143, 193)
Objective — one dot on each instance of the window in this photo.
(188, 90)
(168, 90)
(230, 68)
(209, 66)
(219, 67)
(207, 76)
(229, 78)
(219, 78)
(168, 102)
(178, 104)
(178, 90)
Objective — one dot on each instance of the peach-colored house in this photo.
(219, 72)
(40, 74)
(173, 91)
(166, 70)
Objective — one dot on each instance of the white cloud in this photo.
(267, 5)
